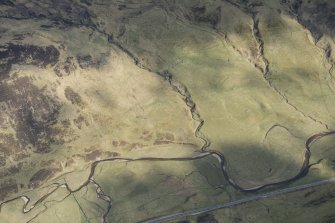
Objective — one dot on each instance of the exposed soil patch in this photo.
(65, 68)
(40, 176)
(200, 14)
(26, 54)
(62, 12)
(208, 218)
(87, 61)
(33, 114)
(79, 121)
(72, 96)
(7, 187)
(7, 2)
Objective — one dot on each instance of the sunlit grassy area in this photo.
(238, 105)
(82, 82)
(104, 112)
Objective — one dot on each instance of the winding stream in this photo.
(223, 163)
(184, 93)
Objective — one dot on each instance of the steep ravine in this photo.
(184, 93)
(266, 68)
(187, 98)
(181, 89)
(266, 72)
